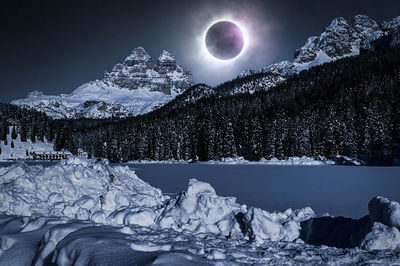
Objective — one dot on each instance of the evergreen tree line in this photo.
(348, 107)
(28, 123)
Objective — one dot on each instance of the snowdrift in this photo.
(78, 201)
(88, 190)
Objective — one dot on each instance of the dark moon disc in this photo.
(224, 40)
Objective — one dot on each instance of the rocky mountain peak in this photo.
(367, 29)
(138, 71)
(391, 25)
(166, 56)
(364, 24)
(339, 25)
(35, 94)
(138, 56)
(135, 86)
(338, 40)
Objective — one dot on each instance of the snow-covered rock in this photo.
(391, 25)
(339, 232)
(199, 209)
(367, 29)
(381, 237)
(246, 72)
(133, 87)
(261, 225)
(338, 39)
(384, 211)
(138, 71)
(35, 93)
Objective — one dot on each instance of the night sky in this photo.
(55, 46)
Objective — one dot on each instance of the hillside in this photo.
(348, 107)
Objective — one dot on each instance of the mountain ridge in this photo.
(132, 87)
(339, 39)
(137, 85)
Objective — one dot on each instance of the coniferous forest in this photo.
(348, 107)
(30, 124)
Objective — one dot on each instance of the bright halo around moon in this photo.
(225, 40)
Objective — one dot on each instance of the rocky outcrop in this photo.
(338, 39)
(367, 30)
(139, 71)
(384, 211)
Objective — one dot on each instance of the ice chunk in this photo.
(199, 209)
(381, 237)
(261, 225)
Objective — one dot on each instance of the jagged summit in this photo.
(391, 25)
(166, 56)
(364, 25)
(339, 39)
(135, 86)
(367, 29)
(138, 56)
(138, 71)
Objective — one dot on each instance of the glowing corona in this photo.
(245, 44)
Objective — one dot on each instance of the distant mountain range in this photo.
(133, 87)
(137, 86)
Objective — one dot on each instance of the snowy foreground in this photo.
(86, 212)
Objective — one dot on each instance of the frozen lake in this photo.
(338, 190)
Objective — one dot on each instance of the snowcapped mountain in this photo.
(135, 86)
(340, 39)
(138, 86)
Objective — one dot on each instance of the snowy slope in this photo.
(20, 148)
(340, 39)
(107, 215)
(133, 87)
